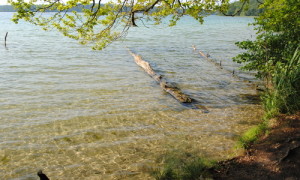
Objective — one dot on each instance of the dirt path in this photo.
(275, 156)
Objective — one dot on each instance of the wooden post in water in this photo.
(194, 47)
(5, 39)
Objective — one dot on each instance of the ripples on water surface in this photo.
(78, 113)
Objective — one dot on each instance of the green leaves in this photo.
(273, 52)
(97, 24)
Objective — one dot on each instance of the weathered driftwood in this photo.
(172, 90)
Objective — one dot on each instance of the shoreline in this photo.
(275, 155)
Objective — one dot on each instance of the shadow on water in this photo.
(99, 115)
(182, 164)
(196, 105)
(251, 98)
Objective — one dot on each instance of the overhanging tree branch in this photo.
(147, 9)
(236, 13)
(259, 2)
(88, 27)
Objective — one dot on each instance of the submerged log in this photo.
(172, 90)
(218, 65)
(233, 74)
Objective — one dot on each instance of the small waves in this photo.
(78, 113)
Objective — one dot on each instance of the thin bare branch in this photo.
(183, 9)
(238, 12)
(93, 5)
(259, 2)
(133, 19)
(47, 7)
(148, 8)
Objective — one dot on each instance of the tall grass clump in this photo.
(284, 97)
(177, 166)
(251, 135)
(274, 56)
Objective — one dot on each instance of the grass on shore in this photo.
(252, 135)
(284, 97)
(181, 166)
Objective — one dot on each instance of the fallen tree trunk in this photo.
(174, 91)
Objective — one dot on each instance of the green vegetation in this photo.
(183, 166)
(240, 9)
(98, 25)
(285, 96)
(275, 55)
(250, 136)
(9, 8)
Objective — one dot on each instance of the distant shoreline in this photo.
(7, 8)
(10, 8)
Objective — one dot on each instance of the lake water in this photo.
(83, 114)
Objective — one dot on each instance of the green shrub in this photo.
(274, 55)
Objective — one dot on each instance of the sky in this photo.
(3, 2)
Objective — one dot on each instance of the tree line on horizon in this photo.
(251, 10)
(9, 8)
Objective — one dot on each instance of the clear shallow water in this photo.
(83, 114)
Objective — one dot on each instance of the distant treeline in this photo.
(9, 8)
(248, 10)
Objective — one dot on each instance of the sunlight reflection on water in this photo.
(78, 113)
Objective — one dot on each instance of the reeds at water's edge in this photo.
(285, 96)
